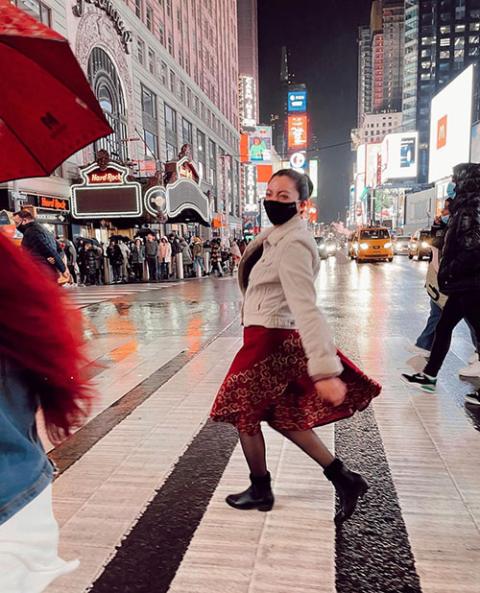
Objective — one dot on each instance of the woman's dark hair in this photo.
(303, 183)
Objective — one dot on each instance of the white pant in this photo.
(29, 559)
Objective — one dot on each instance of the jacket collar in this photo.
(294, 224)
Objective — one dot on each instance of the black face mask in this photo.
(279, 212)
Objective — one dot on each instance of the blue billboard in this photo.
(297, 101)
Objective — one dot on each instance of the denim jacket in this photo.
(25, 469)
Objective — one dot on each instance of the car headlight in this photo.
(364, 246)
(425, 245)
(387, 245)
(331, 248)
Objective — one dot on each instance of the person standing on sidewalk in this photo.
(115, 257)
(164, 257)
(198, 253)
(459, 273)
(151, 254)
(41, 367)
(294, 379)
(138, 259)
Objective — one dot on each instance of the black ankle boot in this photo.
(349, 486)
(258, 496)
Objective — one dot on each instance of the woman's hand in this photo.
(331, 391)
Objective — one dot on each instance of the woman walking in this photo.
(216, 257)
(40, 367)
(292, 378)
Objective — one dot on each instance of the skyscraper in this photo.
(393, 50)
(442, 37)
(248, 42)
(364, 72)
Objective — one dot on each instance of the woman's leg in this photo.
(425, 339)
(259, 494)
(311, 444)
(255, 453)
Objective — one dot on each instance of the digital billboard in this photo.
(260, 145)
(372, 164)
(475, 148)
(451, 126)
(297, 131)
(297, 101)
(400, 156)
(248, 101)
(313, 172)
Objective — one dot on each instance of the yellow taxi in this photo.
(372, 244)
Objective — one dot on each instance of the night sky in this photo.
(322, 39)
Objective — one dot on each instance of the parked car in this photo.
(373, 244)
(322, 247)
(420, 245)
(400, 245)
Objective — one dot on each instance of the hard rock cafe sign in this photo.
(106, 191)
(113, 14)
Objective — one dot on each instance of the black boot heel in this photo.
(258, 496)
(349, 486)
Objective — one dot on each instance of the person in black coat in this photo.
(115, 257)
(38, 241)
(459, 273)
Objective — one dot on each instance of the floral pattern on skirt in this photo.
(268, 381)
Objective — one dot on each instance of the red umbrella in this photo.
(47, 108)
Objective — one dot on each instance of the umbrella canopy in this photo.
(47, 108)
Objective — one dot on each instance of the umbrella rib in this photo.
(24, 145)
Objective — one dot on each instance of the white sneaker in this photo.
(473, 370)
(416, 350)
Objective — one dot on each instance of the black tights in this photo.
(307, 440)
(461, 305)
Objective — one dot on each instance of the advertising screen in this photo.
(374, 152)
(400, 156)
(248, 101)
(361, 151)
(297, 131)
(297, 101)
(313, 172)
(260, 145)
(451, 126)
(475, 149)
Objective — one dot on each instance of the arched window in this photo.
(106, 85)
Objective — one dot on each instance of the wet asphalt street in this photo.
(144, 481)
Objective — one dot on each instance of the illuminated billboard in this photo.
(297, 101)
(361, 150)
(400, 156)
(297, 131)
(248, 102)
(373, 164)
(475, 148)
(451, 126)
(260, 145)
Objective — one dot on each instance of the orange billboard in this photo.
(297, 131)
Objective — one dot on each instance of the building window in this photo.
(474, 26)
(105, 82)
(171, 47)
(149, 102)
(201, 153)
(141, 51)
(445, 55)
(474, 39)
(212, 165)
(151, 144)
(189, 97)
(459, 55)
(171, 152)
(173, 81)
(151, 60)
(149, 18)
(474, 51)
(182, 91)
(187, 132)
(459, 28)
(169, 8)
(161, 33)
(170, 119)
(445, 41)
(139, 8)
(40, 11)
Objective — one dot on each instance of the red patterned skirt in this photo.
(268, 381)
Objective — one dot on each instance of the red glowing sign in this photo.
(106, 176)
(297, 131)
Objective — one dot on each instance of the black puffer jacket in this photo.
(41, 244)
(460, 263)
